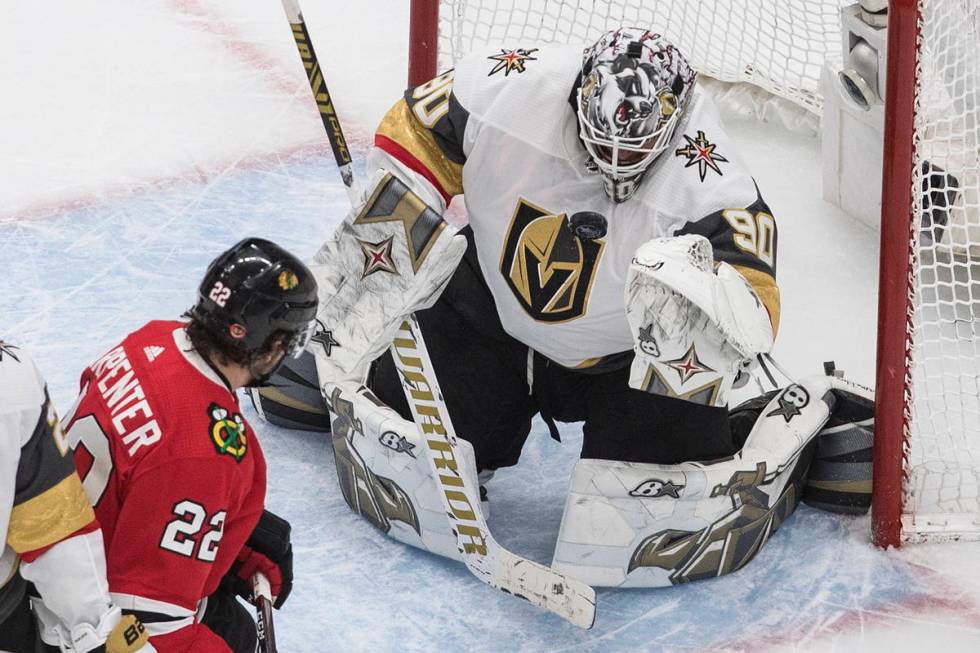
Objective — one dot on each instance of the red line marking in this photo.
(943, 598)
(287, 81)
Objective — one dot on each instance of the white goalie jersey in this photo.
(501, 130)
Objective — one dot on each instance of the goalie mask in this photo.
(635, 88)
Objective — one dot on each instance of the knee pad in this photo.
(840, 474)
(292, 398)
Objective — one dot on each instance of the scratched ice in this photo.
(94, 245)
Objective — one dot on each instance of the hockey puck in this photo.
(588, 225)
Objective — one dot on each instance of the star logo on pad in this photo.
(377, 257)
(688, 365)
(509, 60)
(324, 337)
(701, 152)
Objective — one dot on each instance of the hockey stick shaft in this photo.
(483, 556)
(262, 593)
(324, 103)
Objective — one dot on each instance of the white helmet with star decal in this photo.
(635, 87)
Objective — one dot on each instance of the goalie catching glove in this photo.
(696, 324)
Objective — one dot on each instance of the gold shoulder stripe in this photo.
(50, 516)
(767, 290)
(401, 126)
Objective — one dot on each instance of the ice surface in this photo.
(139, 138)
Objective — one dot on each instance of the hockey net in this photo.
(927, 483)
(928, 488)
(777, 45)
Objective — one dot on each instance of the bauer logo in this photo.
(791, 403)
(397, 443)
(324, 337)
(655, 488)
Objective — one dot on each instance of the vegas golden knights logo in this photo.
(547, 267)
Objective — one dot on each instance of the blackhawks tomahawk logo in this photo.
(700, 152)
(511, 60)
(228, 432)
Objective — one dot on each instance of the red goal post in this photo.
(423, 39)
(927, 425)
(894, 283)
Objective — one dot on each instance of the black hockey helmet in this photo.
(254, 290)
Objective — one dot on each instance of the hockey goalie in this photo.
(618, 269)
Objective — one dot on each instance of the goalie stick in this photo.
(483, 555)
(324, 103)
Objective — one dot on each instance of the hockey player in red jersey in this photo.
(175, 472)
(49, 529)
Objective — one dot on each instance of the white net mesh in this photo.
(943, 466)
(779, 45)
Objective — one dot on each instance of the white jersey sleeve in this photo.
(49, 525)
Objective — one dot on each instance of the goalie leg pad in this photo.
(643, 525)
(292, 398)
(383, 471)
(840, 475)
